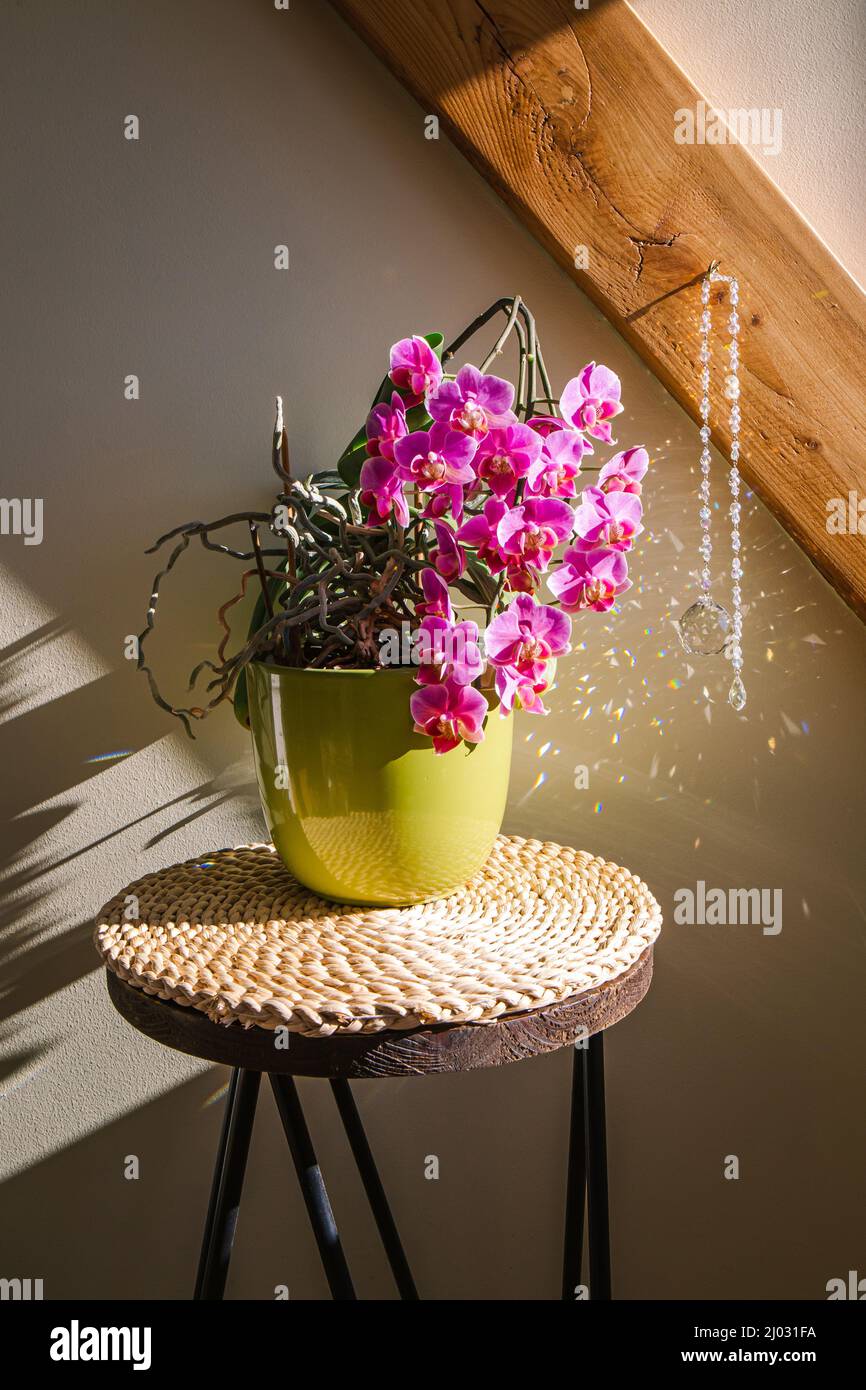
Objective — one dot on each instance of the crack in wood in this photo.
(640, 242)
(549, 122)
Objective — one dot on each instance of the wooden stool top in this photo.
(410, 1052)
(543, 944)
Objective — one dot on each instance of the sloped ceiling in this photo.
(570, 115)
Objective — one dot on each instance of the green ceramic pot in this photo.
(361, 809)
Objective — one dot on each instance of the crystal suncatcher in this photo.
(707, 628)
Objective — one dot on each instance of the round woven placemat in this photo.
(234, 935)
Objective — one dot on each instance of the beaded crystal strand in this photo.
(734, 648)
(705, 628)
(705, 516)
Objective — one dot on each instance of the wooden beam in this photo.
(570, 114)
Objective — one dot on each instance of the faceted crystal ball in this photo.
(704, 628)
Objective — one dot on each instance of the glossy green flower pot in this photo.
(361, 809)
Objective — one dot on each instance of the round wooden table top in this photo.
(444, 1047)
(231, 935)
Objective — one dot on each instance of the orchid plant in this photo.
(459, 486)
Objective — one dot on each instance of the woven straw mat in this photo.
(235, 936)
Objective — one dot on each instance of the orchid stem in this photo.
(504, 335)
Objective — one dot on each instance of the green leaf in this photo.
(327, 478)
(470, 591)
(358, 441)
(437, 342)
(418, 419)
(485, 581)
(351, 463)
(241, 699)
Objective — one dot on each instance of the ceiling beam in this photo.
(570, 114)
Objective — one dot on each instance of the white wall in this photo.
(157, 258)
(804, 59)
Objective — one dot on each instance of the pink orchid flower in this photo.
(590, 400)
(521, 578)
(449, 713)
(530, 533)
(437, 601)
(554, 471)
(546, 424)
(385, 425)
(624, 471)
(607, 519)
(415, 368)
(382, 489)
(519, 643)
(473, 403)
(521, 691)
(447, 651)
(439, 504)
(438, 460)
(480, 534)
(448, 557)
(590, 579)
(506, 454)
(527, 632)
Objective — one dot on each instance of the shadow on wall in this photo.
(139, 1238)
(60, 736)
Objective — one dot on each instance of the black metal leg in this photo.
(596, 1153)
(228, 1181)
(313, 1187)
(575, 1198)
(375, 1191)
